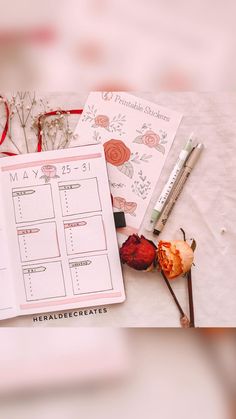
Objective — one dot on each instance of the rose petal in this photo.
(175, 258)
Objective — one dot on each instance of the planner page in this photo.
(60, 230)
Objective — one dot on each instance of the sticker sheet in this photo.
(59, 232)
(137, 136)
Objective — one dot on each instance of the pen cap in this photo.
(194, 156)
(189, 145)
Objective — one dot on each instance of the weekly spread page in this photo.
(58, 233)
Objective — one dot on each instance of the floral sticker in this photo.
(103, 121)
(121, 204)
(151, 139)
(49, 172)
(118, 154)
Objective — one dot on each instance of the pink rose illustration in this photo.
(130, 207)
(122, 204)
(111, 124)
(151, 139)
(49, 172)
(119, 202)
(116, 152)
(102, 121)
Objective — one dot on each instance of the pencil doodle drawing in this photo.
(142, 186)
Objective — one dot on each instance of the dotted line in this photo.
(77, 278)
(30, 285)
(25, 247)
(71, 240)
(66, 201)
(19, 207)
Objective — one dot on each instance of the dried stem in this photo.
(183, 319)
(173, 294)
(183, 234)
(190, 290)
(31, 107)
(23, 127)
(190, 295)
(26, 142)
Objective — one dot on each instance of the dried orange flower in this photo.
(175, 258)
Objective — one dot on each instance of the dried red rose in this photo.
(138, 253)
(175, 258)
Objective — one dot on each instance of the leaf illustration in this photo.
(160, 148)
(138, 139)
(127, 169)
(145, 158)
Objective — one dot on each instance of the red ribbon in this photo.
(5, 130)
(9, 154)
(39, 125)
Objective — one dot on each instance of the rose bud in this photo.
(175, 258)
(138, 253)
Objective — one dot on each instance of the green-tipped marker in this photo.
(156, 212)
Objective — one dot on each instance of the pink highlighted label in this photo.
(76, 224)
(27, 231)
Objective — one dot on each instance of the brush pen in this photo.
(189, 165)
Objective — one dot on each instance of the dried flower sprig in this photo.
(21, 106)
(55, 131)
(25, 111)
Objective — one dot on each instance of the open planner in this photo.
(57, 234)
